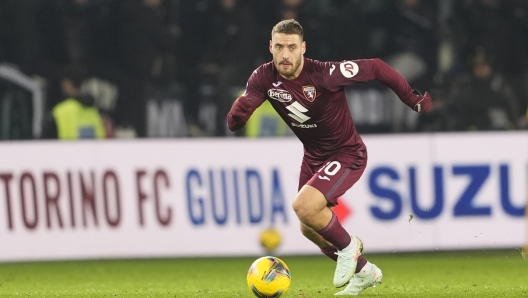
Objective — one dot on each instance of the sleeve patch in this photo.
(349, 69)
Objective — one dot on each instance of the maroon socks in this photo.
(335, 233)
(339, 237)
(331, 250)
(361, 263)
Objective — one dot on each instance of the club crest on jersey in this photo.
(309, 93)
(280, 95)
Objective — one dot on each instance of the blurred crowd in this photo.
(471, 55)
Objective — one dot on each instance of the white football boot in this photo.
(361, 281)
(347, 262)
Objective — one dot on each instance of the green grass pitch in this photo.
(501, 273)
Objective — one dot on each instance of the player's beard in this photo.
(291, 73)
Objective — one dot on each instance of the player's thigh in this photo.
(338, 175)
(309, 200)
(308, 197)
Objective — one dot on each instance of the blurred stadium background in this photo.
(171, 68)
(168, 180)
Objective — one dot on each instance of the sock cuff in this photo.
(329, 249)
(330, 224)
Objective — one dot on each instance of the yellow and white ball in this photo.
(268, 277)
(270, 239)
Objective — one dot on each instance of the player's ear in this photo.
(303, 47)
(270, 47)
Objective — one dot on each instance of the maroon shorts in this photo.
(334, 176)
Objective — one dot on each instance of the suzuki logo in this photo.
(297, 109)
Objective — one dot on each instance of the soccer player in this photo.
(309, 95)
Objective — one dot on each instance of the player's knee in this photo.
(297, 206)
(302, 209)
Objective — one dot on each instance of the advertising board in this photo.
(213, 197)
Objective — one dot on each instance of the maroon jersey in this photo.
(314, 104)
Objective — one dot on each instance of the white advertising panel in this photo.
(213, 197)
(442, 191)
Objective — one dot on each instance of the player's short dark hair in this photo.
(290, 26)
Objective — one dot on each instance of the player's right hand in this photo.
(241, 108)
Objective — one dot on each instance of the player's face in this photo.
(288, 51)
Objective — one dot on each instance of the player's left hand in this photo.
(422, 103)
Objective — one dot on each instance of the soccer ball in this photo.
(268, 277)
(270, 239)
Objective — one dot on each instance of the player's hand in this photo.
(422, 103)
(241, 108)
